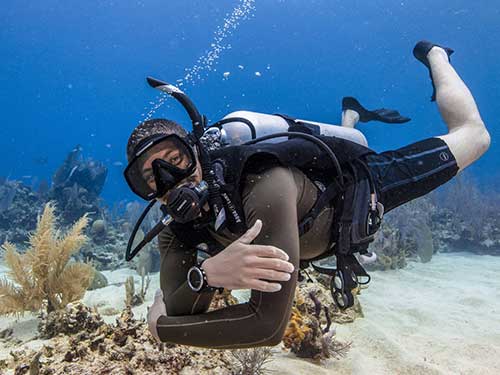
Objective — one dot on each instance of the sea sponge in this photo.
(296, 331)
(98, 281)
(306, 335)
(99, 227)
(44, 275)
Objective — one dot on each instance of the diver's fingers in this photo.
(158, 295)
(270, 263)
(252, 233)
(271, 275)
(158, 303)
(268, 251)
(264, 286)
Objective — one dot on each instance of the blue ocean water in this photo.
(74, 72)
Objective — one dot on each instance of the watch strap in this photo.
(205, 288)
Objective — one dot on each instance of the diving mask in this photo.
(160, 163)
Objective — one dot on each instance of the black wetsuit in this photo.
(280, 197)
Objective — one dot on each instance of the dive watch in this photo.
(197, 280)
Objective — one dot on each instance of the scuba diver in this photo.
(262, 208)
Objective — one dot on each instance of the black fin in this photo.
(389, 116)
(421, 50)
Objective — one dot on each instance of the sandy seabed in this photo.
(442, 317)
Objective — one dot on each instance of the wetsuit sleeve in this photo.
(176, 259)
(271, 197)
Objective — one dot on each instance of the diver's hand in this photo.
(242, 265)
(156, 310)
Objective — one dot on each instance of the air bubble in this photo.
(206, 62)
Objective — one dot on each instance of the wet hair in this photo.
(150, 128)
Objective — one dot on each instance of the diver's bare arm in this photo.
(176, 259)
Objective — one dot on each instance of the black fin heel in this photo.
(421, 50)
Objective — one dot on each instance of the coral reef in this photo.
(123, 348)
(457, 217)
(390, 248)
(108, 255)
(221, 300)
(44, 275)
(74, 318)
(405, 234)
(107, 245)
(467, 218)
(98, 231)
(131, 297)
(319, 285)
(309, 333)
(19, 208)
(250, 361)
(76, 186)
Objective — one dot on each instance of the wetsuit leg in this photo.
(411, 171)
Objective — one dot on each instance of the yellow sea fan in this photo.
(66, 246)
(72, 283)
(44, 272)
(46, 223)
(12, 298)
(38, 258)
(19, 268)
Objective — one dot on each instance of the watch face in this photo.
(195, 279)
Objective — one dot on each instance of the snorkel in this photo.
(199, 123)
(184, 198)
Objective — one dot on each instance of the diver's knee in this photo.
(483, 140)
(478, 139)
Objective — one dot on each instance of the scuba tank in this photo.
(240, 127)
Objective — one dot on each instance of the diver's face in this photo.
(171, 154)
(168, 152)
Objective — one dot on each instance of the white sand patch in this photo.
(113, 296)
(437, 318)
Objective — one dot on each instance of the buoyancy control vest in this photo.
(231, 162)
